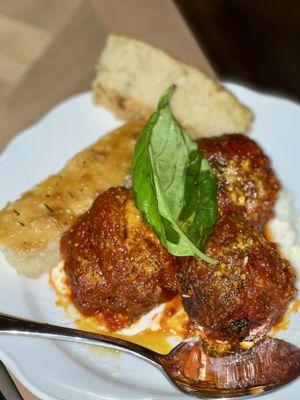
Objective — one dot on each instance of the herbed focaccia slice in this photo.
(132, 75)
(31, 227)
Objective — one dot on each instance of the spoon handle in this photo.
(17, 326)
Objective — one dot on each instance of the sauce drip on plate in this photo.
(160, 330)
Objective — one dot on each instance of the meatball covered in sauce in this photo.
(246, 182)
(114, 261)
(246, 293)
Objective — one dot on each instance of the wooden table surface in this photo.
(49, 49)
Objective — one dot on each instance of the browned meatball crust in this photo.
(115, 262)
(246, 182)
(246, 293)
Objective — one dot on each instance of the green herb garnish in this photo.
(173, 184)
(48, 207)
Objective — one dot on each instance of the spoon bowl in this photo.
(270, 364)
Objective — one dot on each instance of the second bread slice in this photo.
(132, 75)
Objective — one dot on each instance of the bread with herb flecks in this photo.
(31, 227)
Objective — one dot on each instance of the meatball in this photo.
(114, 261)
(246, 293)
(245, 180)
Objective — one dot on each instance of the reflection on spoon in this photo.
(269, 364)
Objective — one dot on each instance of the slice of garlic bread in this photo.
(31, 227)
(132, 75)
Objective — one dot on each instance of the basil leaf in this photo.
(173, 184)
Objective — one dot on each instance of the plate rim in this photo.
(8, 360)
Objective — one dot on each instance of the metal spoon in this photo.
(268, 365)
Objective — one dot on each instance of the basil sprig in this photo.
(173, 184)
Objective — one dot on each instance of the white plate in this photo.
(60, 371)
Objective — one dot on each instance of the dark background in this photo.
(255, 42)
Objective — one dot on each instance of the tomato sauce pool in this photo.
(160, 332)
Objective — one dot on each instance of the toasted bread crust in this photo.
(122, 107)
(31, 227)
